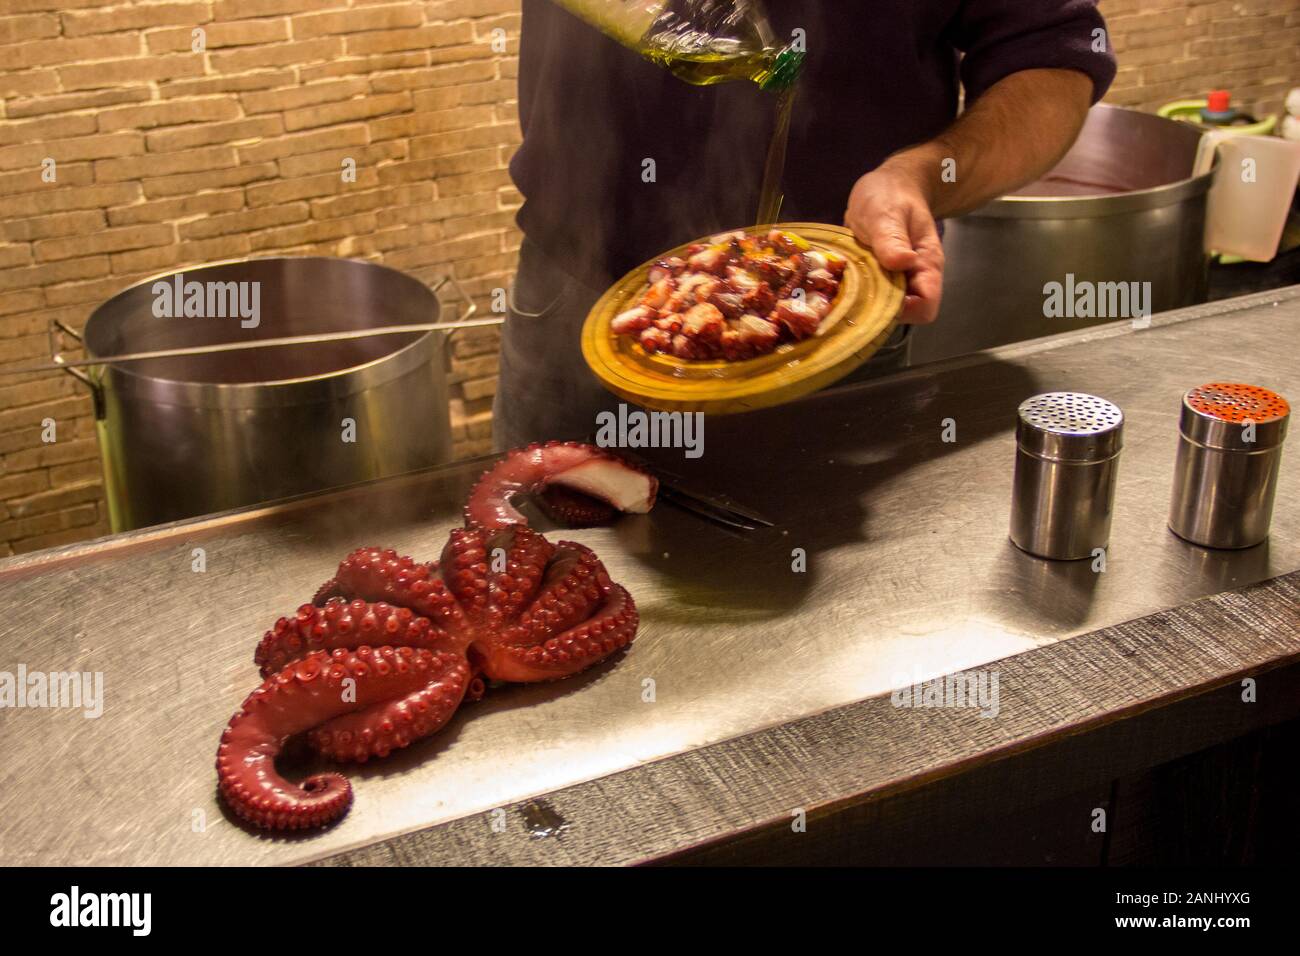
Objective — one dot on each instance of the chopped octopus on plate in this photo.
(737, 296)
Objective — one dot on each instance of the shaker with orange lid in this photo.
(1229, 453)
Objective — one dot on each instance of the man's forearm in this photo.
(1018, 130)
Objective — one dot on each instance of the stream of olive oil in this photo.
(706, 69)
(771, 193)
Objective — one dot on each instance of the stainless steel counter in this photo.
(909, 575)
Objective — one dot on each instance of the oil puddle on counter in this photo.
(542, 820)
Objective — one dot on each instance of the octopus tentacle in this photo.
(381, 574)
(610, 629)
(526, 557)
(304, 695)
(348, 625)
(392, 724)
(328, 590)
(584, 468)
(575, 586)
(464, 565)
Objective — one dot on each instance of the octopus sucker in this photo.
(586, 469)
(390, 647)
(572, 508)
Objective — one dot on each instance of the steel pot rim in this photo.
(1108, 204)
(285, 391)
(1094, 207)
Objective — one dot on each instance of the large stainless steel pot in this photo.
(191, 435)
(1122, 206)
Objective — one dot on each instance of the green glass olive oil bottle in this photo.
(700, 41)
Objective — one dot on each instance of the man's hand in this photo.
(889, 212)
(1018, 130)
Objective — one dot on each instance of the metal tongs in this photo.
(711, 506)
(716, 508)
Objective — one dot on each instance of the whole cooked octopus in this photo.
(738, 296)
(390, 647)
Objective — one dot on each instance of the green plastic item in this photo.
(1189, 111)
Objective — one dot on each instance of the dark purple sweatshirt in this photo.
(879, 75)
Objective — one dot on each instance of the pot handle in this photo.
(467, 312)
(57, 330)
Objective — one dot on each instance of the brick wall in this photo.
(167, 157)
(1178, 49)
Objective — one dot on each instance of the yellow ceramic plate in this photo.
(860, 321)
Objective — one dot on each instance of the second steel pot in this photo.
(1121, 207)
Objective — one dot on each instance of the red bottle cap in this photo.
(1218, 101)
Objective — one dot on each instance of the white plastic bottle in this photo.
(1291, 122)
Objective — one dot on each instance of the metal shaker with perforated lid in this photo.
(1063, 493)
(1229, 453)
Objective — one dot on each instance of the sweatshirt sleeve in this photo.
(1001, 37)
